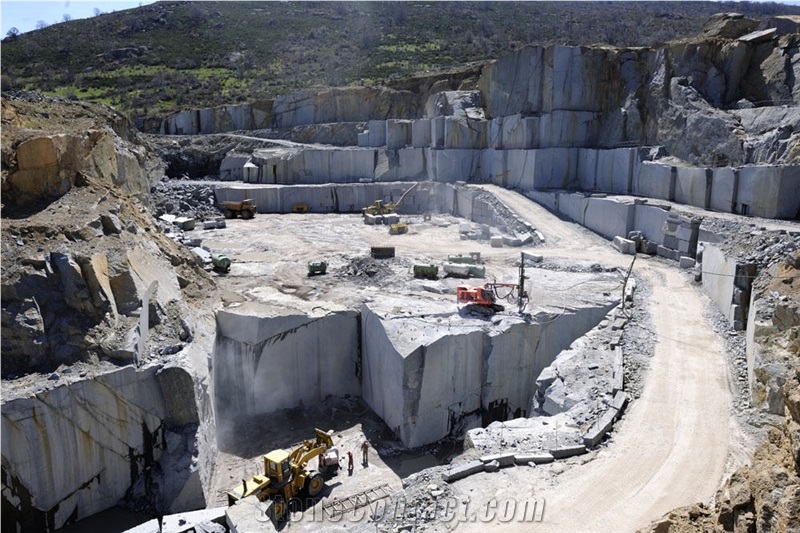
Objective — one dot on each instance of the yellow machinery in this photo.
(398, 229)
(380, 208)
(288, 474)
(246, 208)
(300, 208)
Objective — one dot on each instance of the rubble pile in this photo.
(184, 198)
(763, 247)
(504, 214)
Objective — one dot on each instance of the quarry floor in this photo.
(672, 448)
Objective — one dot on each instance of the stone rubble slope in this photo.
(84, 263)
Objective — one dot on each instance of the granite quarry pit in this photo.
(123, 347)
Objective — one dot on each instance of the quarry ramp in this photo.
(672, 447)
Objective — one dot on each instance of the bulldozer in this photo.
(289, 474)
(398, 229)
(379, 208)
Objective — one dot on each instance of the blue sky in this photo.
(24, 14)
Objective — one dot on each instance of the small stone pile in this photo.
(765, 248)
(34, 97)
(184, 198)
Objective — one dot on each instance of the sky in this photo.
(24, 14)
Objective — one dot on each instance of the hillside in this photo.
(159, 58)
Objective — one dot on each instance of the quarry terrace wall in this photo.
(77, 449)
(428, 197)
(555, 117)
(672, 235)
(758, 190)
(266, 360)
(462, 378)
(425, 379)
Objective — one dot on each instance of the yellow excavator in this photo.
(379, 208)
(288, 474)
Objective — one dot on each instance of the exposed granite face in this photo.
(704, 99)
(438, 375)
(267, 359)
(80, 448)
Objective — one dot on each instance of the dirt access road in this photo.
(672, 446)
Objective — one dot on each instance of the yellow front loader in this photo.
(288, 474)
(380, 208)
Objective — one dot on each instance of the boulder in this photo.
(95, 272)
(729, 25)
(47, 166)
(74, 286)
(623, 245)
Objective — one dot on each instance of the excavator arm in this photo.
(403, 197)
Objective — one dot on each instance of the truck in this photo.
(246, 208)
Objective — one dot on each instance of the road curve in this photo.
(671, 447)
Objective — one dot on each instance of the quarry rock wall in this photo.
(426, 380)
(251, 116)
(429, 197)
(264, 361)
(756, 190)
(449, 381)
(335, 104)
(341, 198)
(92, 289)
(735, 286)
(561, 117)
(77, 449)
(47, 166)
(671, 235)
(719, 272)
(645, 96)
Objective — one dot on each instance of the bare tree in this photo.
(12, 33)
(40, 24)
(97, 12)
(66, 17)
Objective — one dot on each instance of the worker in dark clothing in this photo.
(364, 454)
(350, 463)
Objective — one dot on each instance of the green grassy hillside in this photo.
(170, 55)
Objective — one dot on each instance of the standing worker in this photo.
(350, 463)
(364, 450)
